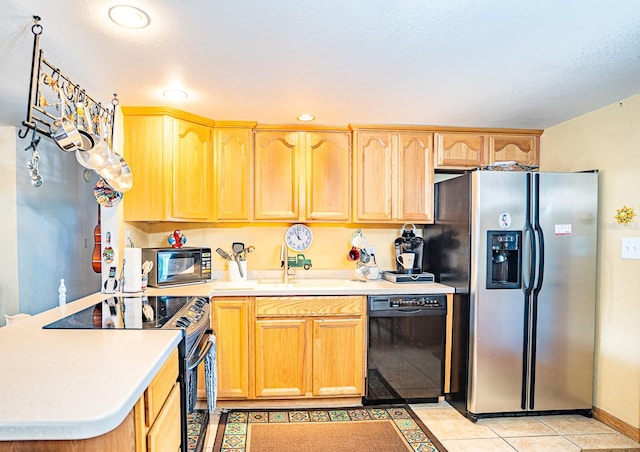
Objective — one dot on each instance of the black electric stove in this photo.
(125, 312)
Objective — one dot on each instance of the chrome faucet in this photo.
(284, 263)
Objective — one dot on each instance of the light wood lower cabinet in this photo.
(281, 357)
(153, 425)
(157, 412)
(309, 346)
(338, 351)
(230, 320)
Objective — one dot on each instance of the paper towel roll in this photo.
(132, 270)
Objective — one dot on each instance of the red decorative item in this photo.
(177, 239)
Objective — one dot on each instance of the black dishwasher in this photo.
(405, 355)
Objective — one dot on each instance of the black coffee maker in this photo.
(409, 243)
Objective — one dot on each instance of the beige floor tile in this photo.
(517, 426)
(447, 423)
(604, 441)
(574, 423)
(542, 444)
(477, 445)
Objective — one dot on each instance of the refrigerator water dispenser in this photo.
(503, 259)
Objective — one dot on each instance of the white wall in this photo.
(8, 225)
(608, 139)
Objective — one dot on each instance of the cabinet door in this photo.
(517, 148)
(415, 177)
(192, 171)
(230, 323)
(338, 357)
(460, 150)
(149, 161)
(165, 434)
(373, 175)
(282, 367)
(277, 179)
(328, 176)
(233, 174)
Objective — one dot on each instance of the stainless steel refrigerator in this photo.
(520, 249)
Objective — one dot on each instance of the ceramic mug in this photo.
(406, 260)
(354, 254)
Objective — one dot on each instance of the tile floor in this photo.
(523, 434)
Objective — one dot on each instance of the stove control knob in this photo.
(183, 322)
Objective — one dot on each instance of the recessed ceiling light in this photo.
(175, 94)
(306, 117)
(129, 16)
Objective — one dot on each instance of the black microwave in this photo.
(176, 266)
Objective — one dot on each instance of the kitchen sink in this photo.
(277, 284)
(304, 283)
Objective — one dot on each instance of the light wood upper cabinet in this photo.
(233, 171)
(414, 199)
(328, 176)
(476, 149)
(277, 175)
(373, 166)
(145, 153)
(516, 148)
(302, 175)
(171, 158)
(393, 174)
(192, 171)
(467, 150)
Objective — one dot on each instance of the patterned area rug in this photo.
(381, 428)
(197, 429)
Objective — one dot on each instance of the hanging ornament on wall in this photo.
(624, 215)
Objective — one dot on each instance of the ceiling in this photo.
(490, 63)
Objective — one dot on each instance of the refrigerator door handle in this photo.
(529, 232)
(527, 289)
(536, 290)
(539, 233)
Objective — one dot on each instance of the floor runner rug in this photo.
(382, 428)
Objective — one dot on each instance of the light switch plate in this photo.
(630, 248)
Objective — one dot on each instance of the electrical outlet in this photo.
(630, 248)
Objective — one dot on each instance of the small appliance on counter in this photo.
(177, 266)
(408, 249)
(408, 256)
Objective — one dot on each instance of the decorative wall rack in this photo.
(52, 96)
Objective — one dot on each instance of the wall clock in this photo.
(298, 237)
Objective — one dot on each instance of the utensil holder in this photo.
(234, 273)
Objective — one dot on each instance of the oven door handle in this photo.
(202, 355)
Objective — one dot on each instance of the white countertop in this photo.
(314, 282)
(75, 384)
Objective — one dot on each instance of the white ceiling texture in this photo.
(485, 63)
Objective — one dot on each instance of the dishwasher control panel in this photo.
(392, 302)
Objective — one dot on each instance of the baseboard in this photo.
(291, 403)
(617, 424)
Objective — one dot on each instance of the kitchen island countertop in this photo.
(74, 384)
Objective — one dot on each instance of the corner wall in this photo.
(608, 139)
(9, 225)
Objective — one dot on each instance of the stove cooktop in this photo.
(123, 312)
